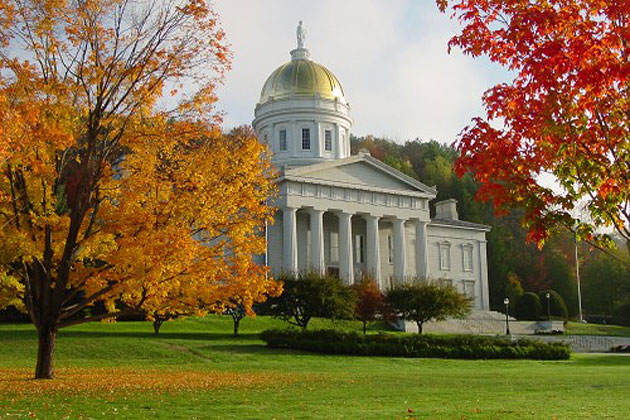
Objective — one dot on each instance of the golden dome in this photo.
(300, 78)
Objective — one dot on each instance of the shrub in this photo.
(309, 295)
(622, 312)
(621, 349)
(423, 301)
(370, 301)
(528, 307)
(405, 345)
(556, 304)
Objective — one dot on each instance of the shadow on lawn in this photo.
(197, 336)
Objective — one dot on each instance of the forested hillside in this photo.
(514, 266)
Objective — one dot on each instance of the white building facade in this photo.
(352, 215)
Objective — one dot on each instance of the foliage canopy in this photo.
(565, 113)
(107, 195)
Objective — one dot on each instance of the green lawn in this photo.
(576, 328)
(196, 369)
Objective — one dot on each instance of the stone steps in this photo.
(482, 322)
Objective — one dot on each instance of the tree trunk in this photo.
(45, 353)
(419, 327)
(364, 327)
(156, 325)
(236, 324)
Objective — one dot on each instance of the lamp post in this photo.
(577, 276)
(548, 296)
(506, 301)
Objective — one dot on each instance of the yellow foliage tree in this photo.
(106, 194)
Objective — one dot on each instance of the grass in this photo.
(576, 328)
(196, 369)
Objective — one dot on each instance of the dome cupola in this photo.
(302, 113)
(302, 77)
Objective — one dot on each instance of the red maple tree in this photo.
(565, 113)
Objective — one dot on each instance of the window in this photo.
(390, 249)
(334, 247)
(467, 257)
(306, 139)
(445, 256)
(359, 249)
(468, 287)
(328, 140)
(283, 140)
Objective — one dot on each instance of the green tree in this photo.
(528, 307)
(309, 295)
(422, 301)
(557, 307)
(605, 284)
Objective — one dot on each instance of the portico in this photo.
(357, 256)
(351, 227)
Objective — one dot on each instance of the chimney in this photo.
(446, 209)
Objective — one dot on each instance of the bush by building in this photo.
(370, 302)
(309, 295)
(557, 307)
(528, 307)
(422, 301)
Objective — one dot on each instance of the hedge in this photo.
(401, 345)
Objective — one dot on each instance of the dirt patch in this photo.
(116, 381)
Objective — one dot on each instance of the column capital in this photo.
(312, 210)
(398, 220)
(369, 217)
(343, 214)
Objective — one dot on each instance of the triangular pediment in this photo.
(360, 171)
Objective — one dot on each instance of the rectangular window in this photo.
(468, 288)
(390, 249)
(359, 249)
(283, 140)
(445, 256)
(334, 247)
(467, 251)
(306, 139)
(328, 140)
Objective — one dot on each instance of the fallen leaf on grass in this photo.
(116, 381)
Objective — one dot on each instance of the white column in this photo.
(483, 276)
(289, 241)
(317, 240)
(400, 266)
(346, 269)
(422, 250)
(373, 248)
(337, 142)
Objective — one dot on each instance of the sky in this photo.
(391, 57)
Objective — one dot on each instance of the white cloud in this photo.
(391, 57)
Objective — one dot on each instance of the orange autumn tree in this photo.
(565, 113)
(106, 194)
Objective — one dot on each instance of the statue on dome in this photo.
(301, 35)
